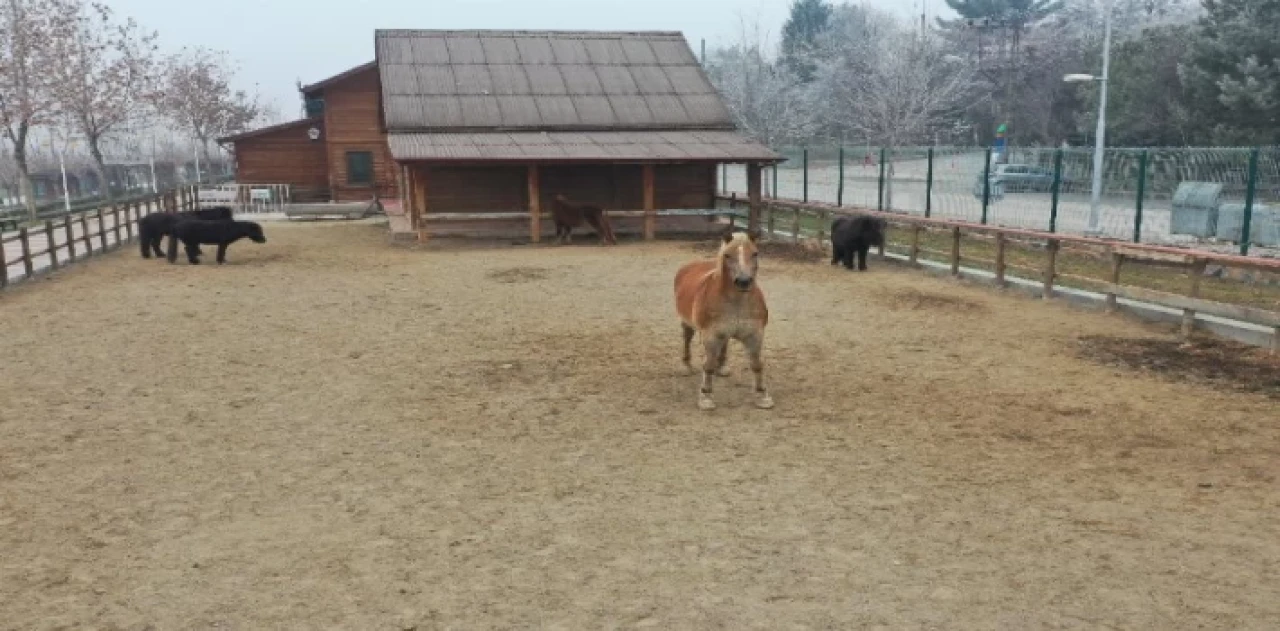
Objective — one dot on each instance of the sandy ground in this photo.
(333, 432)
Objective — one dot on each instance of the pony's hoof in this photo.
(765, 402)
(706, 404)
(723, 371)
(688, 368)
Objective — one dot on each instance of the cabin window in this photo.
(360, 168)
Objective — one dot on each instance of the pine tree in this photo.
(1015, 15)
(809, 20)
(1233, 76)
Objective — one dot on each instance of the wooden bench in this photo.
(347, 210)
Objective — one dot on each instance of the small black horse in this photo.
(153, 228)
(855, 235)
(193, 232)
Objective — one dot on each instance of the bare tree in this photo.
(101, 75)
(8, 179)
(29, 34)
(765, 97)
(196, 94)
(898, 88)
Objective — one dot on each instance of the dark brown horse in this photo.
(569, 215)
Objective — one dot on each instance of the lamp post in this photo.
(1100, 138)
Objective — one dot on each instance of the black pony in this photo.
(855, 235)
(193, 232)
(153, 228)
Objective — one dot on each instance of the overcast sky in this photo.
(279, 42)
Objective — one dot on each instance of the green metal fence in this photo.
(1225, 199)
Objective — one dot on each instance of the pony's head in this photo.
(739, 258)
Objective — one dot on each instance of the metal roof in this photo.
(545, 80)
(612, 146)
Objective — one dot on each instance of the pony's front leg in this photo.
(713, 346)
(755, 346)
(723, 369)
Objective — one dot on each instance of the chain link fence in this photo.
(1219, 199)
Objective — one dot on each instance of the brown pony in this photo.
(721, 301)
(569, 215)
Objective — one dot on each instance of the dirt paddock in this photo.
(335, 432)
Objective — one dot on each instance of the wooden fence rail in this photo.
(54, 244)
(1191, 262)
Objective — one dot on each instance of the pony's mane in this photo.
(739, 238)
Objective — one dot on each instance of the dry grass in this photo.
(1028, 261)
(978, 252)
(331, 432)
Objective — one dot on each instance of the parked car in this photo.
(996, 190)
(1019, 178)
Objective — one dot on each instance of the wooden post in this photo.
(771, 223)
(84, 233)
(650, 201)
(535, 203)
(914, 254)
(53, 243)
(71, 237)
(129, 211)
(102, 230)
(753, 196)
(410, 196)
(955, 251)
(4, 267)
(824, 218)
(419, 203)
(403, 183)
(26, 252)
(1117, 260)
(1189, 315)
(1050, 268)
(115, 223)
(795, 225)
(1001, 244)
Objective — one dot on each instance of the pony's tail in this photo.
(608, 228)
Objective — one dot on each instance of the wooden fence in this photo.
(795, 214)
(33, 250)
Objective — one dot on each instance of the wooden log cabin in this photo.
(338, 152)
(494, 121)
(499, 122)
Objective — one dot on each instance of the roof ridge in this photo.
(522, 32)
(268, 129)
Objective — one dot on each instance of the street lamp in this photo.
(1100, 138)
